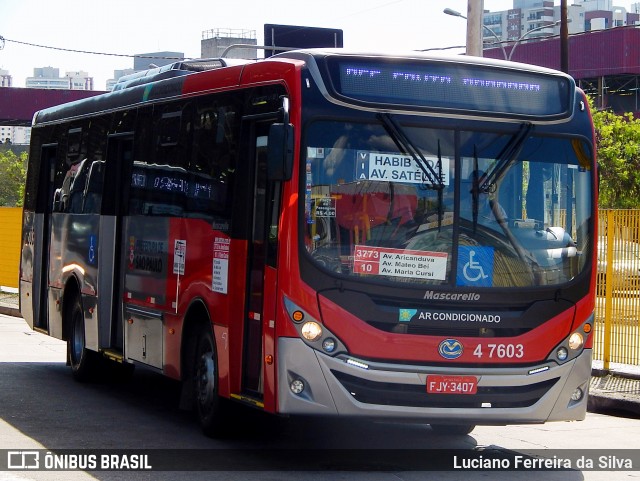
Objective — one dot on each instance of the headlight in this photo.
(576, 341)
(562, 353)
(311, 331)
(329, 344)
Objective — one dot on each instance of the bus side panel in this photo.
(145, 248)
(30, 245)
(214, 275)
(72, 253)
(107, 259)
(191, 248)
(53, 294)
(269, 342)
(233, 314)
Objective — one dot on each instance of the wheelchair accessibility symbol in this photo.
(475, 266)
(92, 249)
(473, 270)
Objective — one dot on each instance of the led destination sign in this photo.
(466, 88)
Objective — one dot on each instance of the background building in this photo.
(214, 42)
(603, 46)
(5, 78)
(49, 78)
(531, 20)
(15, 135)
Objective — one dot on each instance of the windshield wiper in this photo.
(504, 159)
(404, 144)
(475, 189)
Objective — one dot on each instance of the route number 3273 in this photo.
(499, 351)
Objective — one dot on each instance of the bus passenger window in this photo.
(93, 188)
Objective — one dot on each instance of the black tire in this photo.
(452, 429)
(83, 361)
(211, 409)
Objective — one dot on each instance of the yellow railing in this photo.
(617, 333)
(10, 231)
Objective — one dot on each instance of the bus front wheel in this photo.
(209, 406)
(83, 361)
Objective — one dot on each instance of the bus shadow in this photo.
(51, 411)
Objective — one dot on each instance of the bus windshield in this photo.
(446, 207)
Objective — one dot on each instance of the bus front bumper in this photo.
(312, 383)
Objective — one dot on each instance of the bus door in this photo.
(261, 275)
(110, 254)
(42, 233)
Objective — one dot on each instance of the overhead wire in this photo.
(62, 49)
(89, 52)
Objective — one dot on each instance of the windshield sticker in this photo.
(475, 266)
(432, 317)
(326, 207)
(398, 168)
(382, 261)
(179, 256)
(307, 194)
(220, 278)
(406, 315)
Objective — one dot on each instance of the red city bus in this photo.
(324, 233)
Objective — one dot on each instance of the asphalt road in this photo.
(42, 408)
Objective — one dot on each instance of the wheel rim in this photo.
(206, 380)
(77, 341)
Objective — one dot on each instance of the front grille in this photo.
(448, 331)
(412, 395)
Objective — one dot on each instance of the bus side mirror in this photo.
(280, 156)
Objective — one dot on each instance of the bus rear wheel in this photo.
(452, 429)
(210, 407)
(83, 361)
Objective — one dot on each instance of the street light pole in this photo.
(454, 13)
(475, 9)
(526, 34)
(564, 37)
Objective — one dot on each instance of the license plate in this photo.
(452, 384)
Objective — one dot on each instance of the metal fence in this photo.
(617, 326)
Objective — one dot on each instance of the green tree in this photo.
(618, 147)
(12, 177)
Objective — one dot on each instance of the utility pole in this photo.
(475, 9)
(564, 37)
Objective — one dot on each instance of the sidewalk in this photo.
(618, 389)
(9, 302)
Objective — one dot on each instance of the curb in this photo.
(614, 391)
(612, 402)
(10, 311)
(598, 372)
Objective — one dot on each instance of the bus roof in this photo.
(168, 81)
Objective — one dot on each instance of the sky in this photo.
(122, 28)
